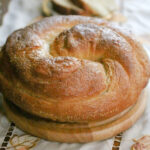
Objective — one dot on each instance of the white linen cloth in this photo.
(21, 13)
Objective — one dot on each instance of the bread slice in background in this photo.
(100, 8)
(46, 8)
(67, 7)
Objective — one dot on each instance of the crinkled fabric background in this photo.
(21, 13)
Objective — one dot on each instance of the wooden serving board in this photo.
(70, 133)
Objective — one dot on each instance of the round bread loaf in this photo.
(73, 69)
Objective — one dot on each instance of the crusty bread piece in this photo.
(46, 8)
(73, 78)
(66, 7)
(73, 69)
(101, 8)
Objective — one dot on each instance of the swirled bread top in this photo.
(73, 68)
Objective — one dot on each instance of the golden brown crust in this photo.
(73, 69)
(76, 132)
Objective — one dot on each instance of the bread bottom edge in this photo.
(75, 133)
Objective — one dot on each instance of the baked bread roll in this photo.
(102, 8)
(71, 71)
